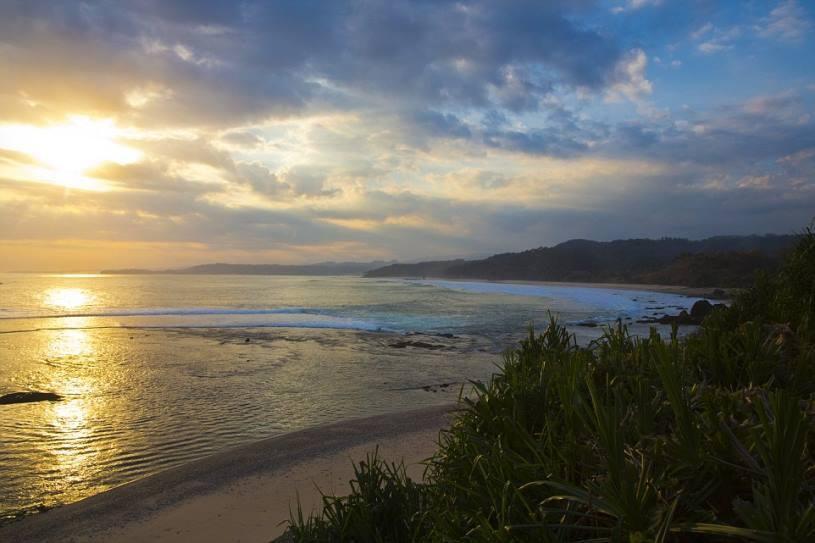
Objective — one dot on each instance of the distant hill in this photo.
(729, 261)
(731, 269)
(322, 268)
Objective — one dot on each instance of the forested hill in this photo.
(718, 261)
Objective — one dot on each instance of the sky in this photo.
(160, 134)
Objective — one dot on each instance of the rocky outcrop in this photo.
(701, 309)
(27, 397)
(698, 312)
(418, 344)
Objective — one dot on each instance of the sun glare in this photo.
(67, 298)
(66, 152)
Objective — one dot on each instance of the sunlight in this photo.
(67, 298)
(70, 343)
(67, 151)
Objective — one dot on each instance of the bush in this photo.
(707, 438)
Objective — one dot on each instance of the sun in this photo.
(66, 152)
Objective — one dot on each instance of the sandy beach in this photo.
(693, 292)
(240, 495)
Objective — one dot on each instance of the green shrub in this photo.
(706, 438)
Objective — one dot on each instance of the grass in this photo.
(705, 438)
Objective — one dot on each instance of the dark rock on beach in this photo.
(439, 334)
(698, 312)
(27, 397)
(587, 324)
(701, 309)
(417, 344)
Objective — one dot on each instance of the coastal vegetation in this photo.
(722, 261)
(631, 439)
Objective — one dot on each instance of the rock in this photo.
(701, 309)
(683, 318)
(418, 344)
(587, 324)
(438, 334)
(718, 294)
(27, 397)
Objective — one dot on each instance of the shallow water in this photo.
(156, 371)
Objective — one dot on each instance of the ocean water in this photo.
(158, 370)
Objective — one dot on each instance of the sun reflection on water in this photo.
(73, 452)
(73, 341)
(69, 299)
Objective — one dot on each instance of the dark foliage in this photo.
(707, 438)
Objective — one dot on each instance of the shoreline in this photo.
(691, 292)
(241, 494)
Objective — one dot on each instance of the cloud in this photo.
(304, 130)
(633, 5)
(211, 65)
(714, 40)
(630, 80)
(786, 22)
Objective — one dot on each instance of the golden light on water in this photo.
(77, 275)
(70, 416)
(75, 375)
(68, 299)
(65, 152)
(69, 343)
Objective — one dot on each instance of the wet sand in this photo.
(693, 292)
(243, 494)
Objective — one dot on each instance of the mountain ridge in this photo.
(734, 261)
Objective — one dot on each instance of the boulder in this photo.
(27, 397)
(701, 309)
(417, 344)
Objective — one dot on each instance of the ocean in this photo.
(159, 370)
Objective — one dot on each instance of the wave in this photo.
(622, 301)
(164, 311)
(200, 317)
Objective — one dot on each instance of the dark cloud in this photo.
(729, 137)
(444, 125)
(540, 142)
(215, 62)
(262, 180)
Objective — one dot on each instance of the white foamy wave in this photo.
(627, 302)
(159, 312)
(199, 317)
(219, 320)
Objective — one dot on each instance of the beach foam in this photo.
(611, 302)
(199, 318)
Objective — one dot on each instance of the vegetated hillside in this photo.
(631, 260)
(435, 268)
(730, 269)
(322, 268)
